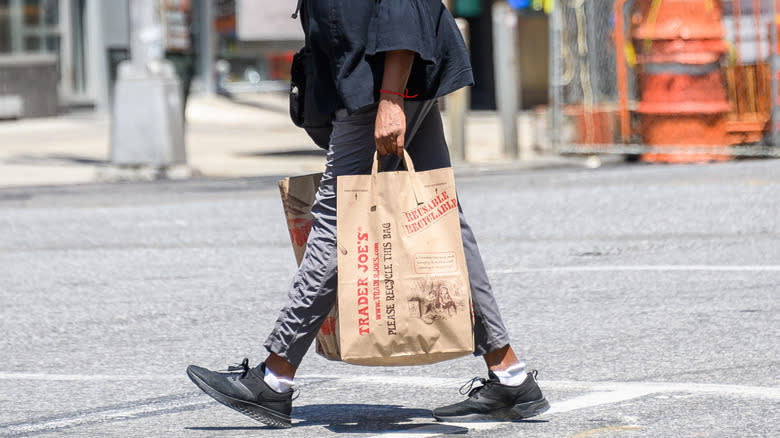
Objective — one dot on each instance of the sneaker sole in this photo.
(252, 410)
(517, 412)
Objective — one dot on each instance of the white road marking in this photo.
(85, 377)
(648, 268)
(644, 387)
(770, 392)
(593, 399)
(121, 413)
(588, 400)
(600, 393)
(603, 393)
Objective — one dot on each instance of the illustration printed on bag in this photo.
(428, 213)
(437, 299)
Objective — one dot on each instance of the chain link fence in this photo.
(665, 80)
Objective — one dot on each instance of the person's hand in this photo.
(390, 126)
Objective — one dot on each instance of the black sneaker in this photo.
(246, 392)
(494, 401)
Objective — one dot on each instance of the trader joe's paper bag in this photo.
(403, 289)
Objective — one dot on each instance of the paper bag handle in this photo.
(416, 186)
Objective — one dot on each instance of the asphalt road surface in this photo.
(646, 296)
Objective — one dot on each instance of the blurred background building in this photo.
(599, 76)
(75, 46)
(237, 46)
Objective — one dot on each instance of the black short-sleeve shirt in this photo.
(348, 39)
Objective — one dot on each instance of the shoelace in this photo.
(471, 390)
(468, 387)
(243, 366)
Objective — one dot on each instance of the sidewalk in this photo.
(252, 136)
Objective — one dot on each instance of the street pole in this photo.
(457, 103)
(146, 38)
(206, 45)
(16, 17)
(556, 76)
(457, 108)
(507, 74)
(147, 126)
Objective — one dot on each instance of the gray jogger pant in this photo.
(313, 290)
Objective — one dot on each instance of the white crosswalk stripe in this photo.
(597, 394)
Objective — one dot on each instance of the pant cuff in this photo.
(491, 344)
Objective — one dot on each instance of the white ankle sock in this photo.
(513, 376)
(278, 384)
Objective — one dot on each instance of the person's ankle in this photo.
(501, 358)
(514, 375)
(276, 382)
(279, 374)
(280, 367)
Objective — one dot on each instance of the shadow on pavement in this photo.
(355, 418)
(229, 428)
(362, 418)
(55, 159)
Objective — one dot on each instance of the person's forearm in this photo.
(398, 65)
(390, 126)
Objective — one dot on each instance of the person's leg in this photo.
(264, 392)
(428, 150)
(509, 393)
(313, 290)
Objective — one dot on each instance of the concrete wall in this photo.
(30, 80)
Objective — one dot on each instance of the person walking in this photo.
(380, 65)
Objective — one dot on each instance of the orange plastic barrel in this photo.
(682, 94)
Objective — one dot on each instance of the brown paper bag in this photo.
(404, 296)
(297, 198)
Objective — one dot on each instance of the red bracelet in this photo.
(405, 94)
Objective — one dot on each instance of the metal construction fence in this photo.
(665, 80)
